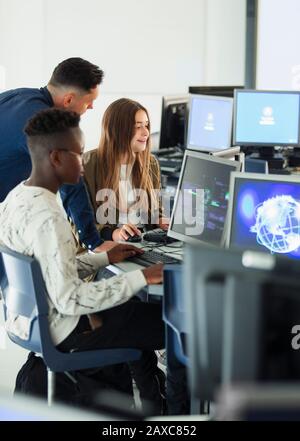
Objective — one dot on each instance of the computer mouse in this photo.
(135, 238)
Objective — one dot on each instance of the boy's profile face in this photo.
(68, 163)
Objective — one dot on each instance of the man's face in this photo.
(81, 103)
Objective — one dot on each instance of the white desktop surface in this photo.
(126, 266)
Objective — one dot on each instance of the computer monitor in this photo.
(241, 307)
(210, 123)
(264, 213)
(214, 90)
(201, 200)
(266, 118)
(204, 309)
(174, 118)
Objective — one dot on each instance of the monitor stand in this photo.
(275, 160)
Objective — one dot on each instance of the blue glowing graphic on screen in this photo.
(266, 216)
(267, 118)
(210, 124)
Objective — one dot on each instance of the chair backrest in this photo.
(174, 313)
(24, 293)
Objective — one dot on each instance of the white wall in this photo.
(278, 51)
(225, 39)
(22, 42)
(146, 48)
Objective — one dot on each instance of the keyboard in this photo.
(168, 151)
(158, 236)
(172, 163)
(178, 156)
(152, 257)
(280, 171)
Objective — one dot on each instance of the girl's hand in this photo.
(164, 223)
(125, 232)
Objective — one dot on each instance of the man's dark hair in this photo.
(47, 129)
(78, 73)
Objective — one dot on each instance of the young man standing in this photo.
(32, 223)
(74, 85)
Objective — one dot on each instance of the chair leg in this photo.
(195, 405)
(50, 387)
(204, 407)
(199, 407)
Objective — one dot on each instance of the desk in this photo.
(126, 266)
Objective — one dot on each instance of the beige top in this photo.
(92, 173)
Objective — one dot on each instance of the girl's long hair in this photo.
(118, 129)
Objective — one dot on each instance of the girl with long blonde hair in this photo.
(122, 174)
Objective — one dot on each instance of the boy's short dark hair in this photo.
(48, 129)
(78, 73)
(50, 121)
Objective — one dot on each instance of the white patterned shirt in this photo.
(32, 223)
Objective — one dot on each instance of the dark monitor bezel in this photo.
(167, 101)
(189, 153)
(205, 148)
(214, 90)
(253, 177)
(261, 144)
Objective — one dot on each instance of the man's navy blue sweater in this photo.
(16, 108)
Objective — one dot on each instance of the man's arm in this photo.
(77, 205)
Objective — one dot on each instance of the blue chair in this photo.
(24, 293)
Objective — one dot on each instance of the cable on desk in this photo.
(178, 250)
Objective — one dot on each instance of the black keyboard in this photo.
(174, 163)
(152, 257)
(280, 171)
(178, 156)
(158, 236)
(168, 151)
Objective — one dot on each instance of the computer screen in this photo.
(201, 200)
(266, 118)
(241, 307)
(174, 119)
(264, 213)
(210, 123)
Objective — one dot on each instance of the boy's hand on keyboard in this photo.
(121, 252)
(154, 274)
